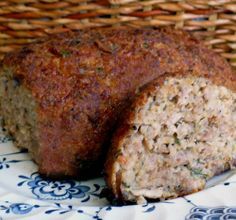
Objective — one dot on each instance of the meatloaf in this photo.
(179, 132)
(61, 98)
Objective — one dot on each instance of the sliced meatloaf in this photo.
(179, 132)
(61, 98)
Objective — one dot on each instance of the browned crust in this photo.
(83, 80)
(113, 178)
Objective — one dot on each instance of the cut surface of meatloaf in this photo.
(179, 132)
(61, 98)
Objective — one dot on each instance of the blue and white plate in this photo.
(24, 194)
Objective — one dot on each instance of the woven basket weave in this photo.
(23, 21)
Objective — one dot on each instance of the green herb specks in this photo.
(118, 153)
(176, 139)
(65, 53)
(99, 69)
(198, 172)
(126, 185)
(145, 45)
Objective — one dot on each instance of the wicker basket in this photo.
(23, 21)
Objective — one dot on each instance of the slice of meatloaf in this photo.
(179, 132)
(61, 98)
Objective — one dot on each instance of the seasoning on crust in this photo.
(179, 132)
(61, 98)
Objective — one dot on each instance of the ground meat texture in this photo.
(180, 132)
(61, 98)
(18, 108)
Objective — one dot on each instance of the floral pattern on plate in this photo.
(207, 213)
(23, 192)
(58, 190)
